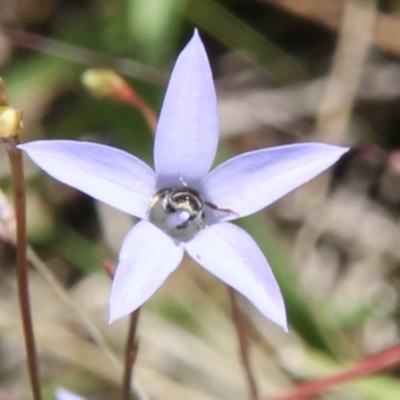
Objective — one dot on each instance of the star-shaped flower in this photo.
(183, 206)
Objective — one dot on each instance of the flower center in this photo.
(180, 213)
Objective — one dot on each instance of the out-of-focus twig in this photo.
(384, 360)
(344, 79)
(83, 55)
(386, 30)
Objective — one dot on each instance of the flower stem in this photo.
(15, 157)
(130, 355)
(106, 83)
(131, 346)
(243, 337)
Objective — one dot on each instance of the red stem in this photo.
(15, 157)
(384, 360)
(243, 337)
(130, 355)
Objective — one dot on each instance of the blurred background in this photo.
(286, 71)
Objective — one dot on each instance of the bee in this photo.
(184, 199)
(188, 207)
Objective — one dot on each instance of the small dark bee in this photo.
(188, 206)
(183, 200)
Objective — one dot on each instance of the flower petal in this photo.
(230, 253)
(105, 173)
(251, 181)
(146, 259)
(187, 133)
(62, 394)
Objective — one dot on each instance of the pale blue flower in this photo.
(63, 394)
(183, 206)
